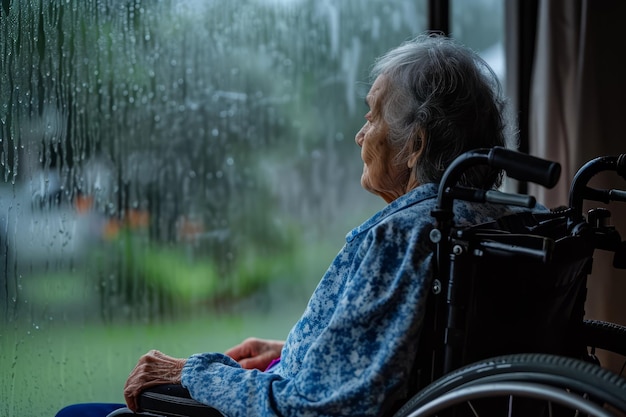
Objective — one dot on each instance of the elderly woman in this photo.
(351, 351)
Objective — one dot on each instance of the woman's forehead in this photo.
(376, 91)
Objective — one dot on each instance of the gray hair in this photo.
(442, 93)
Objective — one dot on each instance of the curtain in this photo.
(577, 107)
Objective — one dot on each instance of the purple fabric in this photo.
(272, 363)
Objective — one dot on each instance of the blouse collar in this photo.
(416, 195)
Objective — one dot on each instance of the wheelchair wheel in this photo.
(609, 339)
(522, 385)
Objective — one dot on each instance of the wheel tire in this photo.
(584, 378)
(605, 335)
(606, 344)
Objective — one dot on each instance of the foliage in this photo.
(146, 280)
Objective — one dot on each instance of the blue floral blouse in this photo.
(351, 351)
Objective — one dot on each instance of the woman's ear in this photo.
(412, 161)
(418, 148)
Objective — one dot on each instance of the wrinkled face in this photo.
(381, 175)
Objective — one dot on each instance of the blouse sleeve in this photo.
(361, 359)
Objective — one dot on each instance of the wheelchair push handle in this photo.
(579, 190)
(525, 167)
(516, 164)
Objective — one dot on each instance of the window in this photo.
(177, 174)
(174, 175)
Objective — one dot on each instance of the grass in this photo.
(46, 367)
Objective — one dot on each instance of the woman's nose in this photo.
(359, 137)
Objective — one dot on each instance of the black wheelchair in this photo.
(505, 319)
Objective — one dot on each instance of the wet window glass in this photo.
(173, 175)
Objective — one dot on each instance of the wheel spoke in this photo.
(469, 403)
(510, 413)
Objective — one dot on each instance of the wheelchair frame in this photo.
(448, 371)
(561, 372)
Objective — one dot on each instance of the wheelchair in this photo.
(504, 332)
(508, 315)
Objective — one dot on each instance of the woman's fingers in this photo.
(245, 349)
(154, 368)
(258, 362)
(255, 353)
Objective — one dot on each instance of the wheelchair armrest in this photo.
(491, 196)
(173, 401)
(530, 247)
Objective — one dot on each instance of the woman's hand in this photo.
(154, 368)
(255, 353)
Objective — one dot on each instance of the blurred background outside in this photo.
(178, 174)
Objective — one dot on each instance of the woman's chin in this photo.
(365, 183)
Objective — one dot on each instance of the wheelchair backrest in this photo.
(514, 285)
(525, 286)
